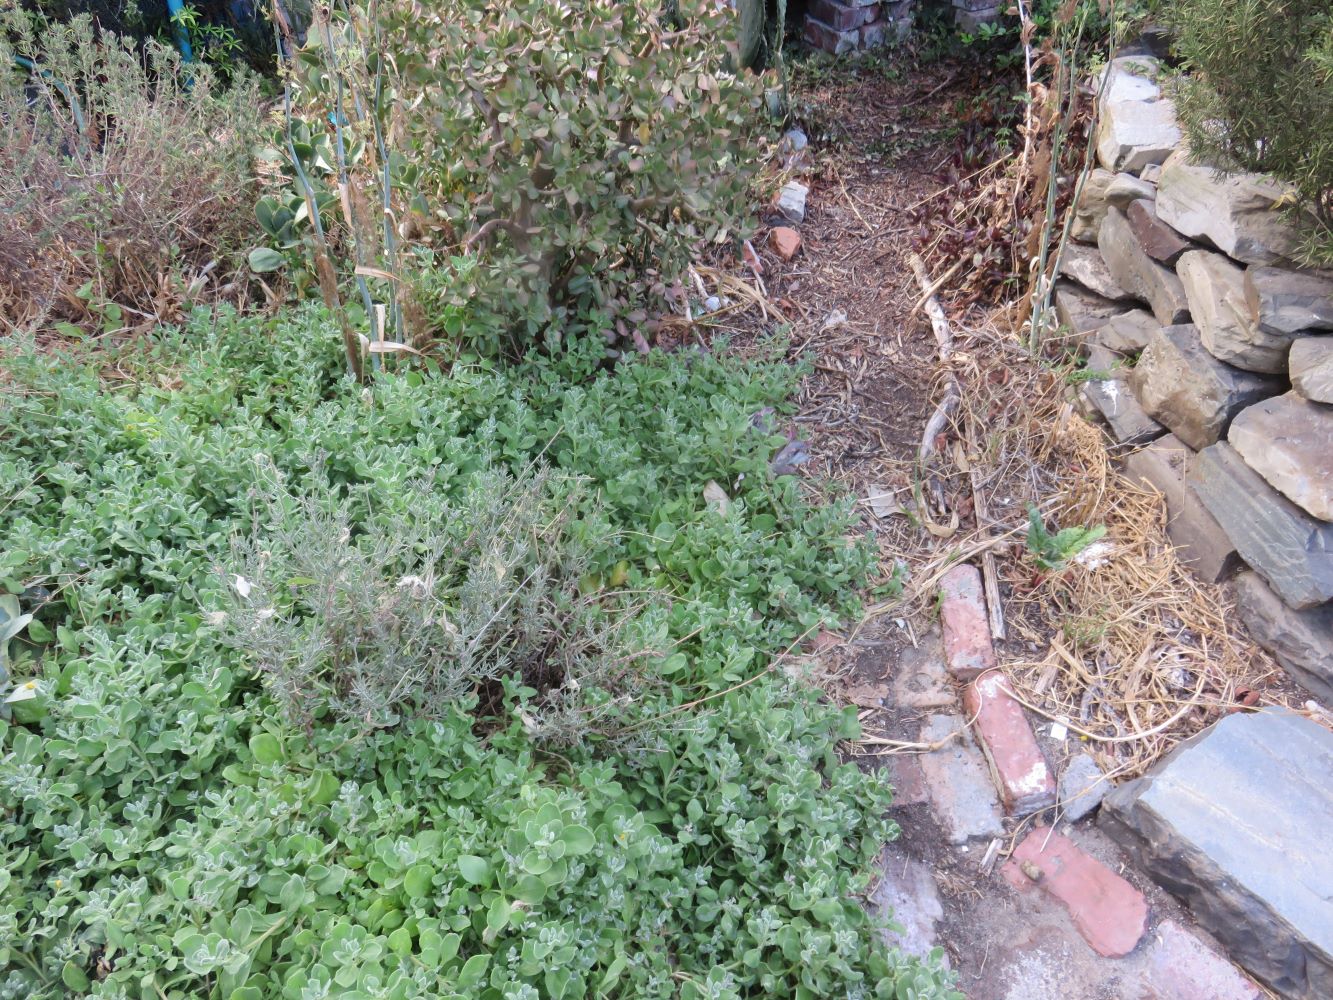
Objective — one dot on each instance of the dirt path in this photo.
(882, 146)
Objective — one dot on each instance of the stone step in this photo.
(1236, 823)
(958, 783)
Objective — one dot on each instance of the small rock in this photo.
(785, 241)
(1302, 641)
(1290, 549)
(1215, 290)
(790, 457)
(1199, 541)
(1288, 302)
(1150, 173)
(1137, 125)
(791, 201)
(712, 304)
(958, 782)
(1084, 264)
(1126, 189)
(1127, 333)
(1137, 273)
(1289, 441)
(795, 140)
(1189, 391)
(1082, 787)
(1159, 241)
(1235, 822)
(1234, 212)
(1092, 206)
(1110, 913)
(1079, 311)
(1311, 363)
(716, 497)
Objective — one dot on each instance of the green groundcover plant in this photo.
(171, 825)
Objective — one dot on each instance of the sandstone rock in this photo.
(1200, 542)
(1127, 333)
(1085, 265)
(1302, 641)
(1137, 273)
(1187, 389)
(1150, 173)
(1235, 822)
(1079, 311)
(1289, 441)
(1137, 125)
(1114, 401)
(1091, 207)
(1082, 787)
(1233, 212)
(1311, 365)
(1215, 290)
(1290, 549)
(1125, 189)
(1289, 302)
(1159, 241)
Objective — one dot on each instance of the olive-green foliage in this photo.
(581, 151)
(168, 830)
(1259, 94)
(123, 176)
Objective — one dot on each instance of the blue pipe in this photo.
(61, 89)
(175, 8)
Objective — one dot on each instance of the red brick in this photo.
(821, 36)
(842, 16)
(967, 641)
(1110, 913)
(1020, 771)
(785, 241)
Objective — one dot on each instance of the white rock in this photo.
(791, 201)
(1137, 125)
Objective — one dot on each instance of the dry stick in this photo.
(990, 579)
(933, 287)
(949, 402)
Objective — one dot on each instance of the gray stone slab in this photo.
(958, 782)
(1116, 404)
(1200, 542)
(1184, 387)
(1311, 362)
(1125, 189)
(1289, 441)
(920, 678)
(1128, 332)
(1302, 641)
(1079, 311)
(1290, 549)
(1137, 273)
(1236, 823)
(1084, 264)
(1092, 206)
(1137, 124)
(1289, 301)
(1215, 289)
(907, 894)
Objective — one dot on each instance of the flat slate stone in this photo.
(1128, 332)
(1289, 441)
(1236, 823)
(1236, 213)
(1125, 189)
(1188, 390)
(1287, 301)
(1200, 542)
(1311, 366)
(1082, 787)
(1215, 290)
(1079, 311)
(1282, 543)
(1116, 403)
(1084, 264)
(958, 782)
(1302, 641)
(1138, 274)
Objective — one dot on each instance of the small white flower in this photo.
(216, 618)
(242, 585)
(26, 691)
(264, 614)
